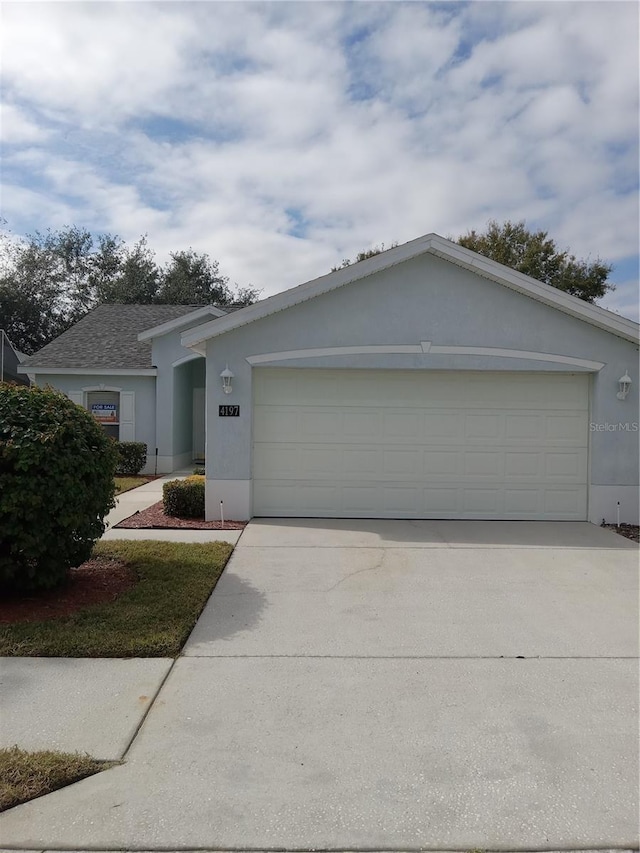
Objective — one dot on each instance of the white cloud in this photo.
(282, 137)
(18, 128)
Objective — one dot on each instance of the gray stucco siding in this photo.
(142, 386)
(175, 397)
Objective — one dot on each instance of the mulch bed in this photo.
(630, 531)
(154, 518)
(94, 582)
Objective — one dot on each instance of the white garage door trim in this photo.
(420, 444)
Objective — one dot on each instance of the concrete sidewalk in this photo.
(145, 496)
(364, 686)
(86, 705)
(77, 705)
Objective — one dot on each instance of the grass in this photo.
(27, 775)
(152, 619)
(124, 484)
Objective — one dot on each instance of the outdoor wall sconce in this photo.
(226, 377)
(624, 384)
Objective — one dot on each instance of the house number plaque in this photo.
(229, 411)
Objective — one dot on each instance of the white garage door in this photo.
(419, 444)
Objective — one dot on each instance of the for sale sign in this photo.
(106, 413)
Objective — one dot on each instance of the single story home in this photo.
(425, 382)
(126, 365)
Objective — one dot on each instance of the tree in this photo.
(56, 486)
(363, 256)
(49, 281)
(136, 278)
(535, 254)
(192, 278)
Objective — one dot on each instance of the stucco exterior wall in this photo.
(174, 402)
(144, 388)
(427, 299)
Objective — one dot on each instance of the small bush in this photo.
(132, 457)
(184, 498)
(199, 471)
(56, 486)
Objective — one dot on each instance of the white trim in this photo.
(499, 352)
(88, 388)
(425, 347)
(171, 325)
(191, 357)
(89, 371)
(436, 245)
(322, 351)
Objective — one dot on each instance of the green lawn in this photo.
(27, 775)
(152, 619)
(124, 484)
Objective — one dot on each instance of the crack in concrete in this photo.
(381, 558)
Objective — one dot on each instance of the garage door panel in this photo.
(485, 427)
(483, 464)
(566, 429)
(521, 503)
(403, 425)
(565, 502)
(440, 502)
(361, 424)
(359, 500)
(443, 462)
(523, 463)
(401, 464)
(276, 461)
(568, 465)
(446, 425)
(475, 501)
(524, 427)
(355, 461)
(454, 445)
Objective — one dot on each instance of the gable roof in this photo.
(107, 337)
(430, 244)
(171, 325)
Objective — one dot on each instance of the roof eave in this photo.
(82, 371)
(172, 325)
(440, 247)
(546, 293)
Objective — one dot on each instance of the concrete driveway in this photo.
(386, 685)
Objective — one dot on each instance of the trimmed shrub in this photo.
(56, 486)
(199, 471)
(184, 498)
(132, 457)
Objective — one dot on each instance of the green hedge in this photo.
(56, 486)
(184, 498)
(132, 457)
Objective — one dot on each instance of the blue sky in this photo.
(282, 137)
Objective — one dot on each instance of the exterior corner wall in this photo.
(235, 496)
(603, 504)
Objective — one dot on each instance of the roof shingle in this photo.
(107, 337)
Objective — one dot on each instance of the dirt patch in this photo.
(154, 518)
(94, 582)
(630, 531)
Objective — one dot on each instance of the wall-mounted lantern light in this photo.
(624, 384)
(226, 377)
